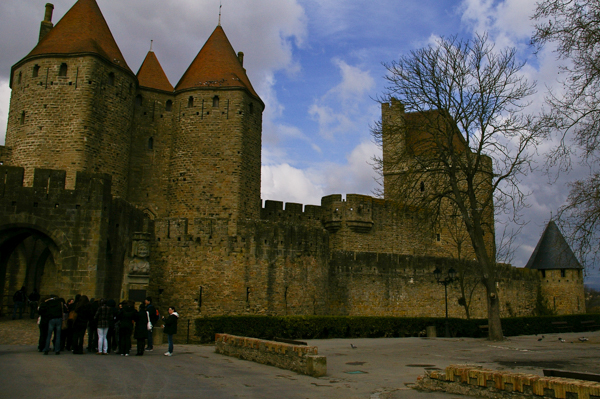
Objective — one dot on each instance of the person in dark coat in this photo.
(111, 336)
(34, 300)
(171, 328)
(103, 316)
(93, 326)
(125, 318)
(141, 329)
(43, 325)
(70, 321)
(152, 313)
(83, 315)
(54, 312)
(19, 299)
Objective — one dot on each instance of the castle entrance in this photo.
(29, 258)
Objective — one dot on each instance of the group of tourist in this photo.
(109, 326)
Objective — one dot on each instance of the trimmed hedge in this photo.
(319, 327)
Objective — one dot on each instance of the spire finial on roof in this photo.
(220, 5)
(151, 44)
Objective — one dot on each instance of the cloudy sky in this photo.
(317, 66)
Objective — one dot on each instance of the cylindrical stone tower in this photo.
(216, 153)
(72, 101)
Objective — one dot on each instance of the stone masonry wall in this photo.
(72, 222)
(86, 232)
(563, 290)
(267, 268)
(215, 162)
(151, 152)
(372, 284)
(77, 122)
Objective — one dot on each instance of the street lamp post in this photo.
(447, 280)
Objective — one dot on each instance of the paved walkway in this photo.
(377, 368)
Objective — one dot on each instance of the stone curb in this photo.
(470, 379)
(299, 358)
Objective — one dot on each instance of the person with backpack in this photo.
(154, 316)
(19, 299)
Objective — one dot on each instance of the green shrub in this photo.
(321, 327)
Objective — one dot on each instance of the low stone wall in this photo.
(477, 381)
(299, 358)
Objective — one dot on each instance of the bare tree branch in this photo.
(455, 140)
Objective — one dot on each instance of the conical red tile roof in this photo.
(152, 75)
(216, 65)
(82, 29)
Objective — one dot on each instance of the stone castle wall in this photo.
(77, 122)
(563, 290)
(68, 241)
(287, 264)
(151, 139)
(215, 163)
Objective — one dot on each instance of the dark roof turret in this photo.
(552, 251)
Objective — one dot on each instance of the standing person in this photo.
(82, 316)
(70, 321)
(110, 335)
(64, 330)
(55, 316)
(141, 329)
(93, 326)
(171, 328)
(19, 299)
(126, 317)
(152, 312)
(103, 316)
(34, 299)
(43, 325)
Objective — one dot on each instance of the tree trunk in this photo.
(493, 302)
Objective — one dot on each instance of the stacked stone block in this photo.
(76, 121)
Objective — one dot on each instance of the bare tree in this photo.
(574, 26)
(459, 141)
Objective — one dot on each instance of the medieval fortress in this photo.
(119, 185)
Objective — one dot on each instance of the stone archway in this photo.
(34, 256)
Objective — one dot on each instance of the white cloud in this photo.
(286, 183)
(283, 182)
(507, 22)
(340, 109)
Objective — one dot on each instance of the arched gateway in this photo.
(63, 242)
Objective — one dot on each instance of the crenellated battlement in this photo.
(293, 212)
(48, 189)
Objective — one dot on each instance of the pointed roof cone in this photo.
(152, 75)
(82, 29)
(553, 252)
(216, 65)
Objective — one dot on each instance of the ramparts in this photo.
(299, 358)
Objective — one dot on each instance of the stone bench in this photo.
(474, 380)
(299, 358)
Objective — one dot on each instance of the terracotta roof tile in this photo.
(152, 75)
(82, 29)
(216, 65)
